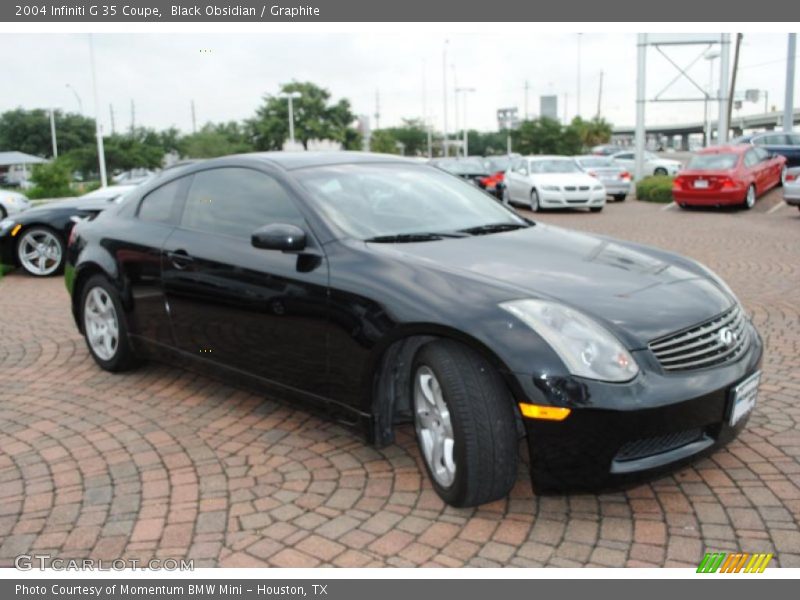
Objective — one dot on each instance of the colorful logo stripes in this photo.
(721, 562)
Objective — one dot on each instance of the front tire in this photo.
(40, 251)
(535, 205)
(104, 326)
(750, 197)
(465, 423)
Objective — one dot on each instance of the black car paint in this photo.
(349, 314)
(59, 216)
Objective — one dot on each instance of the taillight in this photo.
(727, 182)
(624, 175)
(676, 183)
(791, 177)
(500, 176)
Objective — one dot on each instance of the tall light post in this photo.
(53, 132)
(578, 99)
(710, 56)
(788, 104)
(77, 97)
(444, 97)
(464, 91)
(290, 96)
(101, 155)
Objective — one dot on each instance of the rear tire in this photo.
(595, 209)
(750, 197)
(104, 326)
(456, 390)
(660, 171)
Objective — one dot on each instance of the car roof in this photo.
(301, 160)
(726, 149)
(548, 157)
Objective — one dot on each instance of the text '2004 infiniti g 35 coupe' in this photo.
(381, 291)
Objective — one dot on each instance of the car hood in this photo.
(641, 295)
(77, 204)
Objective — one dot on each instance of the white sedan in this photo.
(543, 182)
(653, 165)
(791, 186)
(12, 203)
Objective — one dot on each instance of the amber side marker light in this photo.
(16, 229)
(547, 413)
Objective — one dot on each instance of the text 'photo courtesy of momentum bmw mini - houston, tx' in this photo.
(334, 280)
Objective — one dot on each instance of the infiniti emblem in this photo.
(727, 336)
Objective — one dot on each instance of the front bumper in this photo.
(618, 432)
(569, 199)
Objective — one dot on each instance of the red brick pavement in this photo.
(165, 463)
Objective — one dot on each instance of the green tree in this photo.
(141, 148)
(215, 140)
(538, 136)
(413, 135)
(315, 117)
(594, 132)
(51, 180)
(487, 143)
(29, 131)
(384, 142)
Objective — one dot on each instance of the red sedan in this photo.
(727, 176)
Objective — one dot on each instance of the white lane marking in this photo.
(668, 206)
(777, 207)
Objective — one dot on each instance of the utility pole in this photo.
(788, 104)
(641, 71)
(133, 116)
(444, 97)
(526, 99)
(455, 108)
(377, 109)
(724, 72)
(600, 96)
(53, 132)
(464, 91)
(111, 114)
(101, 155)
(739, 37)
(194, 118)
(578, 99)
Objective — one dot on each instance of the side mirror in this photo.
(279, 236)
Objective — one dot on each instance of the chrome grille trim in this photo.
(701, 346)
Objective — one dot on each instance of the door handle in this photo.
(180, 259)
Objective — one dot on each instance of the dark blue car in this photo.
(785, 144)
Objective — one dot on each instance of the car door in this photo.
(751, 168)
(138, 255)
(263, 312)
(515, 176)
(793, 154)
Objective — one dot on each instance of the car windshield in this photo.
(380, 200)
(554, 166)
(720, 161)
(462, 166)
(594, 162)
(497, 163)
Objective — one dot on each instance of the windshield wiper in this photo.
(494, 228)
(413, 237)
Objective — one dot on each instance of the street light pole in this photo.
(710, 56)
(444, 97)
(77, 97)
(53, 132)
(464, 91)
(101, 155)
(291, 96)
(788, 104)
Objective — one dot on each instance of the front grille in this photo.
(569, 188)
(720, 340)
(583, 188)
(657, 445)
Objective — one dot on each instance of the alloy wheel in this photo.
(40, 252)
(750, 200)
(434, 427)
(534, 201)
(101, 323)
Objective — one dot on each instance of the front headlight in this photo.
(551, 188)
(587, 349)
(597, 188)
(6, 225)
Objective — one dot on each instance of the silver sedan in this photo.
(614, 177)
(791, 187)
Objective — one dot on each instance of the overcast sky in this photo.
(162, 73)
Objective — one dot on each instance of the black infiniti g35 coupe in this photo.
(379, 291)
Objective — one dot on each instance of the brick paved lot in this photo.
(164, 463)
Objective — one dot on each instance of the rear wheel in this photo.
(40, 251)
(750, 197)
(535, 207)
(104, 326)
(465, 424)
(660, 171)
